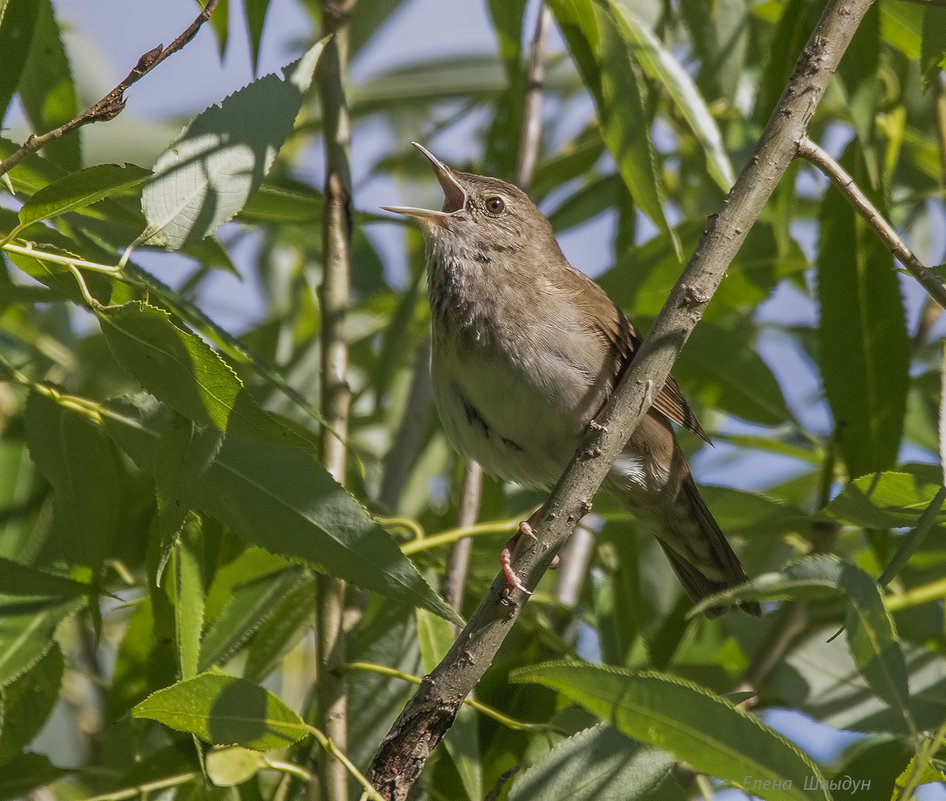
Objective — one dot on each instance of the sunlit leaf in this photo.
(219, 161)
(864, 350)
(224, 710)
(688, 721)
(47, 89)
(80, 189)
(597, 764)
(659, 64)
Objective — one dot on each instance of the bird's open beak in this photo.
(453, 193)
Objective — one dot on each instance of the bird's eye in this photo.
(495, 205)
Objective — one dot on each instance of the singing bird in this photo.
(525, 350)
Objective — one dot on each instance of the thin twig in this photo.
(430, 713)
(336, 395)
(535, 89)
(458, 560)
(855, 196)
(113, 103)
(330, 747)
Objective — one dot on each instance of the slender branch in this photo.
(479, 706)
(144, 790)
(113, 103)
(336, 395)
(430, 713)
(861, 203)
(340, 758)
(458, 560)
(535, 88)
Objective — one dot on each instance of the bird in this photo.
(525, 351)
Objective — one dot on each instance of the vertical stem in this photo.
(532, 115)
(458, 560)
(336, 396)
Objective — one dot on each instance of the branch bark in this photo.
(113, 103)
(336, 395)
(807, 149)
(429, 714)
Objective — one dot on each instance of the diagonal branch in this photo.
(428, 715)
(809, 150)
(113, 103)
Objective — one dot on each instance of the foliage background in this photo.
(817, 371)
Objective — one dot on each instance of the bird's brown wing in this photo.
(624, 340)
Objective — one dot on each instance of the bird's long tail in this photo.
(698, 551)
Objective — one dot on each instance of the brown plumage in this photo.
(526, 350)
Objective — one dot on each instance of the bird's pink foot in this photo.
(525, 527)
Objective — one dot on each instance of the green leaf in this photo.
(281, 498)
(933, 55)
(218, 161)
(878, 759)
(864, 348)
(26, 631)
(787, 40)
(285, 623)
(661, 66)
(225, 710)
(26, 772)
(248, 607)
(278, 204)
(17, 579)
(812, 577)
(28, 700)
(228, 767)
(188, 597)
(740, 384)
(80, 463)
(255, 13)
(597, 764)
(181, 370)
(47, 90)
(721, 38)
(914, 539)
(901, 25)
(693, 724)
(873, 641)
(17, 23)
(30, 174)
(501, 154)
(183, 454)
(858, 75)
(80, 189)
(887, 500)
(608, 68)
